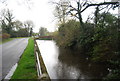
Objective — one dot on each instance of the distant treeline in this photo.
(14, 28)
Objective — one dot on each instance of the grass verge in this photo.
(6, 40)
(44, 38)
(9, 39)
(26, 66)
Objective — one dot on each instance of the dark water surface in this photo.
(68, 64)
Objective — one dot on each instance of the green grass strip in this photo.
(26, 66)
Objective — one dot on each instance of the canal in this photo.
(69, 64)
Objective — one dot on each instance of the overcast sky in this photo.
(39, 11)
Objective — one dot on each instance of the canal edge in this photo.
(40, 65)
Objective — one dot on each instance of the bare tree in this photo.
(29, 26)
(43, 31)
(7, 20)
(61, 9)
(83, 5)
(18, 25)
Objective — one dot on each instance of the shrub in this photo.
(5, 35)
(68, 34)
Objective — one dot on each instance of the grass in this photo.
(9, 39)
(22, 37)
(26, 66)
(44, 38)
(6, 40)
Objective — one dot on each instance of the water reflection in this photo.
(68, 64)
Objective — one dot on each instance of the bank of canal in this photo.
(68, 64)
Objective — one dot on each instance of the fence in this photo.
(41, 68)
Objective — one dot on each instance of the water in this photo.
(68, 64)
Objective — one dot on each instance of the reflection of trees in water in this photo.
(66, 72)
(75, 64)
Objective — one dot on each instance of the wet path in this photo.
(11, 52)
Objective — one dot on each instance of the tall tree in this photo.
(43, 31)
(18, 25)
(29, 26)
(82, 5)
(7, 20)
(61, 9)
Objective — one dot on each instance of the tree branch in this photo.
(104, 3)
